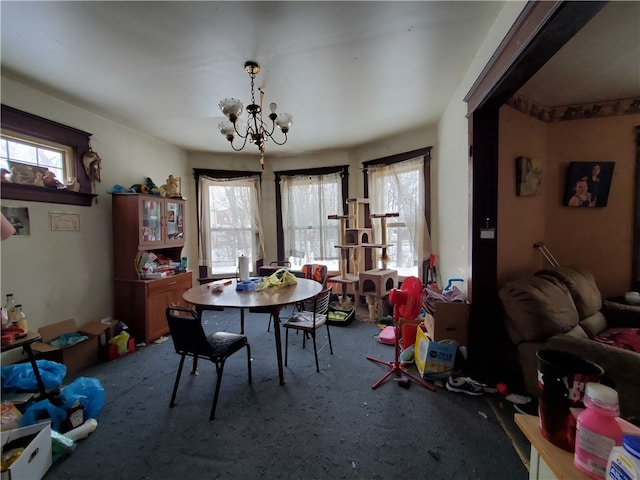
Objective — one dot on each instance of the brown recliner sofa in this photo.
(562, 309)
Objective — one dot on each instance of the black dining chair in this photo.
(309, 321)
(190, 340)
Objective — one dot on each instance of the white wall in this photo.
(61, 275)
(451, 171)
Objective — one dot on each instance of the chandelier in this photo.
(256, 131)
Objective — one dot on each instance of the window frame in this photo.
(204, 270)
(343, 170)
(425, 153)
(19, 122)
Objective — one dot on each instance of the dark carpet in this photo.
(327, 425)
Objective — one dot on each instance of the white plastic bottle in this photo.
(624, 461)
(83, 430)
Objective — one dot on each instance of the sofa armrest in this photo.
(621, 315)
(620, 366)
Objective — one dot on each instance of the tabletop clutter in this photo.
(581, 415)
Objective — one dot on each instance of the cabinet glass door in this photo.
(175, 221)
(151, 222)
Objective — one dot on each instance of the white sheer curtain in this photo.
(307, 201)
(399, 188)
(230, 225)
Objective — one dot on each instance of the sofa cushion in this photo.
(581, 285)
(594, 324)
(537, 308)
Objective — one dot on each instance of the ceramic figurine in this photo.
(50, 181)
(171, 187)
(73, 184)
(39, 181)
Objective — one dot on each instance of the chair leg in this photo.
(269, 324)
(175, 384)
(286, 346)
(329, 337)
(315, 350)
(249, 363)
(219, 370)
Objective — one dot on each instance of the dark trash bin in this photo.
(562, 379)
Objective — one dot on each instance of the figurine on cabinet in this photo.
(171, 188)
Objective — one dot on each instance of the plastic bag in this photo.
(121, 341)
(43, 410)
(20, 376)
(278, 279)
(88, 391)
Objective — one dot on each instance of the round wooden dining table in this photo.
(203, 297)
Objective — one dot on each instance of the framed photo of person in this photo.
(528, 176)
(588, 184)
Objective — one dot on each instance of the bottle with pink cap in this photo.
(597, 430)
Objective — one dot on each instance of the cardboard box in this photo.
(434, 360)
(77, 356)
(36, 458)
(450, 321)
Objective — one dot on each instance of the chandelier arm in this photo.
(246, 134)
(243, 143)
(279, 143)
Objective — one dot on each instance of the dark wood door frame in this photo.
(539, 32)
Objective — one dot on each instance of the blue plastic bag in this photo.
(20, 377)
(88, 391)
(43, 410)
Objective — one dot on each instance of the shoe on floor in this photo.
(465, 385)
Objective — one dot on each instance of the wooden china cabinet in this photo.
(147, 223)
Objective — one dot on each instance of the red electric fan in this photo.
(406, 304)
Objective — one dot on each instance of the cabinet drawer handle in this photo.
(172, 283)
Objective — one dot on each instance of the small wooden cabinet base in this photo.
(141, 304)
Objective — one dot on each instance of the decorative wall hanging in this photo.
(528, 176)
(19, 219)
(64, 222)
(588, 184)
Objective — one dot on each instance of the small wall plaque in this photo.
(64, 222)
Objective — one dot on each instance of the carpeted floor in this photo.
(327, 425)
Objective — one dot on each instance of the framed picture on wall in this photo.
(588, 184)
(528, 176)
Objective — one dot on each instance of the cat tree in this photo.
(375, 284)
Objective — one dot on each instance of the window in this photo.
(228, 220)
(32, 145)
(307, 198)
(27, 159)
(400, 185)
(304, 200)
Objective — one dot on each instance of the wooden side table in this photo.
(546, 460)
(25, 343)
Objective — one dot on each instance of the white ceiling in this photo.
(349, 72)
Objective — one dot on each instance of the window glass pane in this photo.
(309, 235)
(25, 155)
(398, 188)
(22, 153)
(231, 229)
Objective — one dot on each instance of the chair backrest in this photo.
(315, 271)
(319, 305)
(186, 332)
